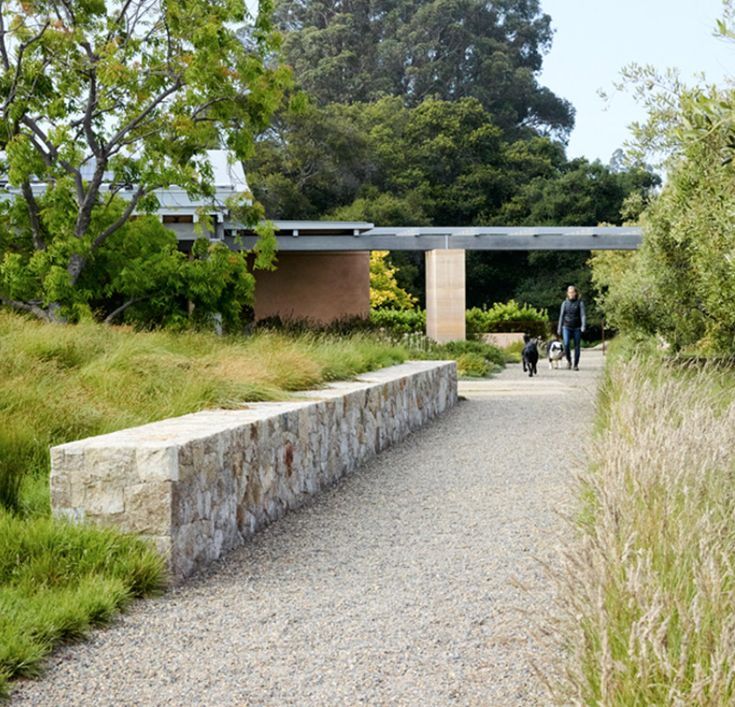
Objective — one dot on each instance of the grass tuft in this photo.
(58, 580)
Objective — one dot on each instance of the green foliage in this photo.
(59, 383)
(105, 104)
(681, 284)
(440, 163)
(384, 289)
(58, 580)
(472, 365)
(508, 316)
(626, 294)
(581, 193)
(399, 321)
(451, 50)
(474, 358)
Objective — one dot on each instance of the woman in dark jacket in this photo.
(572, 323)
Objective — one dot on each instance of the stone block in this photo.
(196, 486)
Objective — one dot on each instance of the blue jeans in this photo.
(567, 334)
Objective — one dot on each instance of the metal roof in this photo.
(315, 236)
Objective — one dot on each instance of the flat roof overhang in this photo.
(330, 236)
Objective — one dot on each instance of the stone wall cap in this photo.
(175, 431)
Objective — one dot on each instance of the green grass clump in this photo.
(58, 580)
(648, 586)
(472, 365)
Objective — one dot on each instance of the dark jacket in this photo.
(572, 315)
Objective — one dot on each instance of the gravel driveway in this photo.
(401, 585)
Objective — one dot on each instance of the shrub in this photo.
(473, 365)
(474, 358)
(398, 321)
(508, 316)
(680, 285)
(492, 354)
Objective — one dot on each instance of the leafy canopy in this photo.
(681, 284)
(346, 52)
(105, 103)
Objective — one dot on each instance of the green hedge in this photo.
(508, 316)
(399, 321)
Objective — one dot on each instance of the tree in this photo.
(384, 290)
(681, 284)
(104, 103)
(350, 51)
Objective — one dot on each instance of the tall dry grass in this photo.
(648, 585)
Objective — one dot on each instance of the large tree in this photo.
(104, 100)
(359, 50)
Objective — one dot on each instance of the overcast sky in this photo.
(595, 38)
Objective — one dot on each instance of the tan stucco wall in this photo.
(321, 287)
(445, 295)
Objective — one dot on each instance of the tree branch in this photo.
(18, 62)
(53, 151)
(121, 220)
(90, 198)
(28, 308)
(91, 102)
(115, 313)
(3, 47)
(135, 122)
(34, 213)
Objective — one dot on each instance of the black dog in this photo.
(529, 355)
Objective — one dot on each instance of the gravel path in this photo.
(398, 586)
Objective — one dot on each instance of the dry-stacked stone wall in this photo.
(198, 485)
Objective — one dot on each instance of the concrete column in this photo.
(445, 295)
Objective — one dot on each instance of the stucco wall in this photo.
(322, 287)
(200, 484)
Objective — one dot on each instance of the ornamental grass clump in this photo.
(57, 581)
(648, 586)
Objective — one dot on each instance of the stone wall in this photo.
(198, 485)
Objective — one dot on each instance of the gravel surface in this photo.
(415, 581)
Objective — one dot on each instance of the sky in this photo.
(595, 39)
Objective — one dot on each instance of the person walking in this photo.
(572, 323)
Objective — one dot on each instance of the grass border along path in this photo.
(649, 584)
(60, 383)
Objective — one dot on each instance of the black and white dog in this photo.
(529, 355)
(555, 352)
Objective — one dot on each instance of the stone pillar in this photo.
(445, 295)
